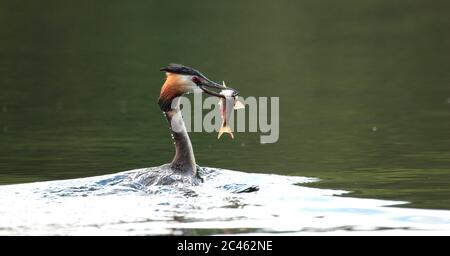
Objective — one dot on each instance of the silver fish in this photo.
(227, 105)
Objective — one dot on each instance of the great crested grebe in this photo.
(183, 168)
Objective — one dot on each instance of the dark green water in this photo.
(79, 82)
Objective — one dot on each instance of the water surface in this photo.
(229, 202)
(363, 86)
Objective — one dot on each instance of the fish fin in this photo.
(239, 105)
(223, 83)
(225, 129)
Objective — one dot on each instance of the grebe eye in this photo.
(195, 80)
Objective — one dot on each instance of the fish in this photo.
(227, 104)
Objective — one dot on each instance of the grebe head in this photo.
(180, 80)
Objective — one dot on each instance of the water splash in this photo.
(228, 201)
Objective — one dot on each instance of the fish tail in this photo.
(225, 129)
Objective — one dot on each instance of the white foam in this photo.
(104, 206)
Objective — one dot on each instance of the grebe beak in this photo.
(206, 83)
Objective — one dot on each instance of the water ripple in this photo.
(227, 201)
